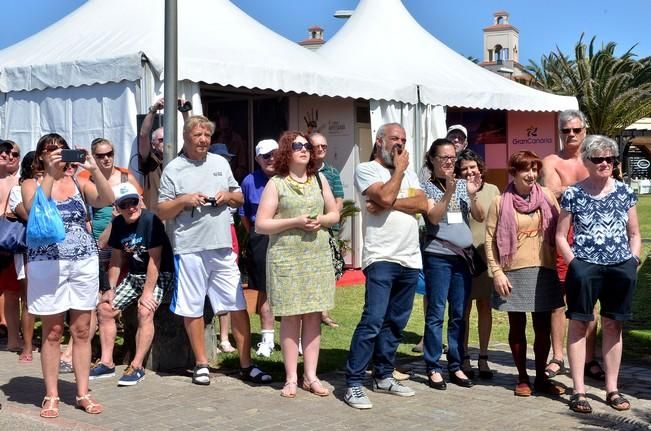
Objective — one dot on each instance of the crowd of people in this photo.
(562, 236)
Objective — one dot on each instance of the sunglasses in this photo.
(575, 130)
(51, 148)
(598, 160)
(268, 156)
(14, 154)
(321, 147)
(446, 159)
(103, 155)
(298, 146)
(128, 203)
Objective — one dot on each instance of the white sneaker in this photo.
(356, 398)
(265, 349)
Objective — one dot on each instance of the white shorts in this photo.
(19, 263)
(210, 272)
(55, 286)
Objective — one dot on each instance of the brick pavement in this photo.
(165, 402)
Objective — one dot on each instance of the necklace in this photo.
(440, 184)
(292, 179)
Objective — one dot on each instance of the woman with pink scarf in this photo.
(520, 252)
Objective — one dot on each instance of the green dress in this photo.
(300, 275)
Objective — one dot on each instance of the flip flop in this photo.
(25, 358)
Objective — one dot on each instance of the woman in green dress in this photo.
(295, 211)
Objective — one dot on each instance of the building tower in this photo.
(315, 38)
(502, 49)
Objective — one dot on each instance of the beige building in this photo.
(502, 49)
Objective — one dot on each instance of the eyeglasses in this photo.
(321, 147)
(103, 155)
(51, 148)
(268, 156)
(128, 203)
(446, 159)
(575, 130)
(298, 146)
(598, 160)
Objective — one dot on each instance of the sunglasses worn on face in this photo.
(14, 154)
(51, 148)
(102, 155)
(575, 130)
(267, 156)
(321, 147)
(598, 160)
(128, 203)
(298, 146)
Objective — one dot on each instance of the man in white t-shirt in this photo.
(391, 261)
(196, 190)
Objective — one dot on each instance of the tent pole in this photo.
(171, 78)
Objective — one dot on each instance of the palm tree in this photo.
(613, 92)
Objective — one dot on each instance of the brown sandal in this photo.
(91, 407)
(315, 387)
(50, 407)
(617, 401)
(286, 392)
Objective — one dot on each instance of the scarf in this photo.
(507, 229)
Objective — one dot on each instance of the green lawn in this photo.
(349, 301)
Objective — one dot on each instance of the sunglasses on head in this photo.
(128, 203)
(575, 130)
(102, 155)
(298, 146)
(598, 160)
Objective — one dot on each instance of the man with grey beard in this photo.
(391, 262)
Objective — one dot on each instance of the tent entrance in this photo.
(243, 118)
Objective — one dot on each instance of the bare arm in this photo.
(562, 229)
(633, 229)
(246, 223)
(412, 205)
(331, 215)
(144, 137)
(550, 177)
(385, 194)
(264, 220)
(153, 269)
(340, 204)
(171, 208)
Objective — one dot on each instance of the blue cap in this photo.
(220, 149)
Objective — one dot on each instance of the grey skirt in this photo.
(534, 289)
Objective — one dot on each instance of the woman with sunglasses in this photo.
(295, 210)
(446, 251)
(602, 267)
(63, 277)
(520, 252)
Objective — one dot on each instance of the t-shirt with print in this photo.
(390, 235)
(136, 239)
(205, 227)
(600, 233)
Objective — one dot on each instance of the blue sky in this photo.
(543, 25)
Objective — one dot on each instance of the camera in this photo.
(73, 156)
(211, 201)
(184, 107)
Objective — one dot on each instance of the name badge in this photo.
(455, 217)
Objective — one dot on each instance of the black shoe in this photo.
(464, 383)
(440, 386)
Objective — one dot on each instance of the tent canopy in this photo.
(383, 40)
(106, 41)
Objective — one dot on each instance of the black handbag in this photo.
(337, 257)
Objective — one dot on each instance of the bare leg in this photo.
(107, 331)
(612, 351)
(485, 327)
(12, 315)
(577, 331)
(290, 328)
(266, 317)
(194, 329)
(144, 335)
(311, 338)
(558, 336)
(66, 355)
(3, 321)
(81, 355)
(591, 341)
(242, 333)
(224, 327)
(50, 350)
(26, 321)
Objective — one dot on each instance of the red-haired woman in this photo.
(294, 210)
(520, 250)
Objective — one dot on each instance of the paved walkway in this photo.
(171, 402)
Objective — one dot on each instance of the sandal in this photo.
(65, 367)
(548, 387)
(617, 401)
(254, 374)
(50, 407)
(25, 358)
(315, 387)
(597, 375)
(287, 392)
(91, 406)
(561, 368)
(484, 370)
(579, 403)
(201, 375)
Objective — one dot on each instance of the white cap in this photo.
(458, 127)
(265, 147)
(124, 191)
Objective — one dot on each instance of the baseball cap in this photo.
(124, 191)
(265, 147)
(458, 127)
(220, 149)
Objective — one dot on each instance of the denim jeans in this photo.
(447, 279)
(389, 298)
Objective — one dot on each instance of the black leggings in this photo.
(542, 325)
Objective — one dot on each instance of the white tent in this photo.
(88, 74)
(381, 39)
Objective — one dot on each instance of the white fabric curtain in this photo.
(422, 123)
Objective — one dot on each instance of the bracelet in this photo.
(637, 259)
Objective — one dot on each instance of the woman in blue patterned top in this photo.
(602, 264)
(64, 277)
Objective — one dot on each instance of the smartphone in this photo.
(73, 156)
